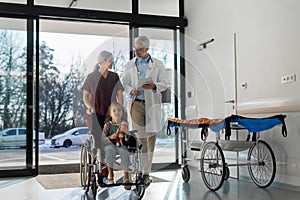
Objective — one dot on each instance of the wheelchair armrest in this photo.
(133, 144)
(132, 131)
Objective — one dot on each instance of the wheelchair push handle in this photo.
(132, 132)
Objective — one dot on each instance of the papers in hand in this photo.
(142, 82)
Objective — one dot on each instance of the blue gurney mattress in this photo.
(231, 122)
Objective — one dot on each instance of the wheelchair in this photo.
(93, 170)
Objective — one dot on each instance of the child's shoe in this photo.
(110, 180)
(127, 187)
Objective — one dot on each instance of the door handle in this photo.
(229, 101)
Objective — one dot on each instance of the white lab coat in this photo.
(155, 70)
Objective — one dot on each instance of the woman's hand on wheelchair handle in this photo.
(89, 111)
(113, 136)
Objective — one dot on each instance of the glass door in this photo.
(63, 67)
(17, 136)
(162, 47)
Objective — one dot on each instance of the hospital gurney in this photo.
(214, 170)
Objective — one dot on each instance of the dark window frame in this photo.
(134, 20)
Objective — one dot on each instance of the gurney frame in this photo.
(214, 170)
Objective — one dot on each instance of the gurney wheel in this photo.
(261, 164)
(186, 174)
(227, 173)
(212, 166)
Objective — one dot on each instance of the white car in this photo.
(74, 136)
(16, 137)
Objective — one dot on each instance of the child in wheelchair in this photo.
(115, 126)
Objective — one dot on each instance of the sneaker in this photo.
(127, 187)
(105, 180)
(147, 179)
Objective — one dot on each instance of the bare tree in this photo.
(13, 79)
(57, 107)
(79, 117)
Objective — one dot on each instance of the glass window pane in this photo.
(11, 132)
(159, 7)
(162, 47)
(22, 131)
(14, 1)
(107, 5)
(13, 93)
(68, 52)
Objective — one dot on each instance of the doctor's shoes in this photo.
(147, 179)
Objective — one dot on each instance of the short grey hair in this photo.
(143, 40)
(105, 55)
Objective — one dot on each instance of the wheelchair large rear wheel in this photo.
(85, 168)
(212, 166)
(261, 164)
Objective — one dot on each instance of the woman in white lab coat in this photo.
(155, 81)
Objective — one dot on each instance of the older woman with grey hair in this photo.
(101, 87)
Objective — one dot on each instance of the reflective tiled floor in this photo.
(168, 184)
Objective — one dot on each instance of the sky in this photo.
(67, 46)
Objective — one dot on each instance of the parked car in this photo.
(16, 137)
(74, 136)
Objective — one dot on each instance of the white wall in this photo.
(267, 48)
